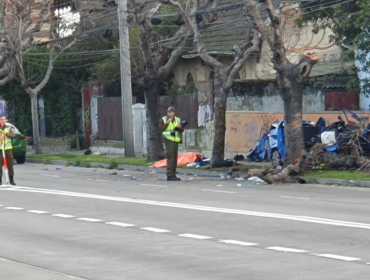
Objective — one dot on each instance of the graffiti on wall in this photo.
(235, 124)
(251, 132)
(268, 120)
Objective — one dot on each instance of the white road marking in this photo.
(89, 220)
(286, 250)
(157, 230)
(149, 185)
(306, 219)
(205, 190)
(292, 197)
(48, 175)
(37, 212)
(63, 216)
(337, 257)
(236, 242)
(195, 236)
(13, 208)
(120, 224)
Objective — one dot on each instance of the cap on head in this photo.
(170, 109)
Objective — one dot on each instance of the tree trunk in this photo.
(35, 122)
(292, 96)
(219, 124)
(154, 136)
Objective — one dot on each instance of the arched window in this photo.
(189, 79)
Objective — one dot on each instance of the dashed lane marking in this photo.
(306, 219)
(157, 230)
(337, 257)
(13, 208)
(37, 212)
(89, 220)
(236, 242)
(119, 224)
(286, 250)
(63, 216)
(293, 197)
(195, 236)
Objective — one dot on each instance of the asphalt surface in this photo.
(76, 223)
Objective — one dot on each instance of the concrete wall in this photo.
(243, 130)
(264, 96)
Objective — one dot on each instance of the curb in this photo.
(346, 183)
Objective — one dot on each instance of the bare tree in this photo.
(23, 27)
(223, 77)
(290, 77)
(158, 68)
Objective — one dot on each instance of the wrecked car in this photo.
(271, 144)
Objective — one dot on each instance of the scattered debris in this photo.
(239, 185)
(152, 171)
(256, 179)
(250, 186)
(58, 168)
(113, 173)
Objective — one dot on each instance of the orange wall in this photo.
(243, 128)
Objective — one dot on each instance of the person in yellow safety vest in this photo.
(171, 131)
(6, 134)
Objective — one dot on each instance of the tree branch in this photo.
(240, 61)
(191, 23)
(52, 60)
(165, 70)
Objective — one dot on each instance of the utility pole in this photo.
(126, 91)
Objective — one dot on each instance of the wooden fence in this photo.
(110, 119)
(186, 107)
(110, 114)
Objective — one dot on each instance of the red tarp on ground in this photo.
(182, 159)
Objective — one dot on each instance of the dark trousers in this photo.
(9, 157)
(172, 150)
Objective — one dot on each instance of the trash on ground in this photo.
(134, 178)
(301, 181)
(255, 179)
(77, 166)
(98, 154)
(250, 186)
(239, 185)
(152, 171)
(113, 173)
(58, 168)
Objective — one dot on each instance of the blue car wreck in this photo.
(337, 137)
(271, 143)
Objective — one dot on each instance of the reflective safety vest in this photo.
(170, 133)
(8, 141)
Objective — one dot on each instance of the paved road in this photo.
(69, 223)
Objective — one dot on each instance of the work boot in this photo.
(172, 178)
(12, 181)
